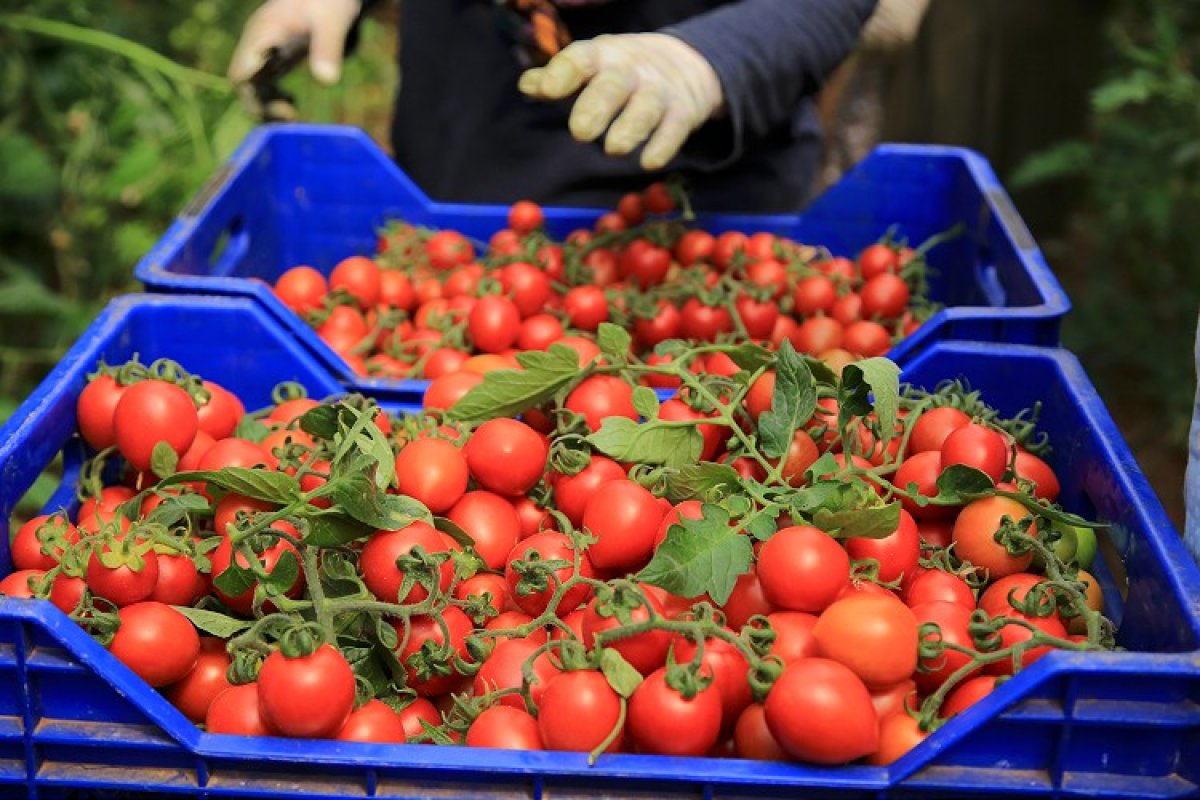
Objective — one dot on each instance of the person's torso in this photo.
(465, 133)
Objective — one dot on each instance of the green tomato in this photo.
(1085, 547)
(1065, 545)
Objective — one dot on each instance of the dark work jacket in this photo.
(464, 132)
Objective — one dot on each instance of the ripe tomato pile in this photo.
(777, 563)
(429, 305)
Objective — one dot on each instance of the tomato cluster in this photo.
(429, 305)
(774, 563)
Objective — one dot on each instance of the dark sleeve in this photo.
(352, 35)
(771, 54)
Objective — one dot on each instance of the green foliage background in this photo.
(100, 148)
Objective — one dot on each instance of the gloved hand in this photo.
(666, 88)
(893, 26)
(323, 24)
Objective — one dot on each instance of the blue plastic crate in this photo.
(75, 721)
(308, 194)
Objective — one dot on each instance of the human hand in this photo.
(320, 24)
(661, 87)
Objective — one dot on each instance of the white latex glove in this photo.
(665, 88)
(322, 23)
(894, 25)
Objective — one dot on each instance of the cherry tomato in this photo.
(449, 249)
(657, 198)
(802, 569)
(586, 307)
(728, 248)
(179, 582)
(703, 322)
(867, 338)
(396, 290)
(378, 562)
(899, 732)
(1032, 468)
(301, 289)
(572, 492)
(16, 584)
(578, 711)
(752, 738)
(150, 412)
(624, 517)
(418, 711)
(878, 259)
(506, 456)
(664, 722)
(794, 638)
(874, 635)
(235, 712)
(601, 396)
(839, 723)
(195, 692)
(525, 217)
(155, 641)
(976, 446)
(885, 296)
(374, 721)
(666, 323)
(813, 294)
(491, 522)
(932, 427)
(934, 585)
(896, 553)
(503, 669)
(310, 696)
(847, 309)
(221, 414)
(974, 535)
(505, 728)
(967, 694)
(923, 469)
(447, 390)
(953, 620)
(359, 276)
(645, 652)
(694, 247)
(817, 334)
(95, 408)
(539, 332)
(529, 287)
(493, 323)
(26, 548)
(728, 668)
(747, 599)
(433, 471)
(243, 603)
(124, 584)
(548, 546)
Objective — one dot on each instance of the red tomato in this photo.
(195, 692)
(301, 289)
(644, 263)
(533, 517)
(802, 453)
(443, 361)
(976, 446)
(836, 268)
(997, 599)
(816, 335)
(728, 248)
(139, 643)
(769, 274)
(427, 629)
(486, 587)
(954, 622)
(493, 323)
(872, 634)
(932, 427)
(894, 698)
(802, 569)
(447, 390)
(374, 721)
(525, 217)
(503, 670)
(418, 711)
(601, 396)
(896, 553)
(884, 296)
(507, 620)
(235, 453)
(506, 456)
(310, 696)
(228, 508)
(703, 322)
(433, 471)
(449, 249)
(179, 583)
(974, 536)
(572, 492)
(16, 584)
(793, 635)
(899, 732)
(967, 694)
(867, 338)
(624, 517)
(688, 509)
(150, 412)
(847, 309)
(586, 307)
(728, 668)
(712, 435)
(123, 585)
(26, 548)
(752, 738)
(539, 332)
(878, 259)
(923, 469)
(505, 728)
(757, 318)
(578, 711)
(665, 324)
(812, 295)
(694, 247)
(1013, 633)
(396, 290)
(220, 415)
(95, 408)
(747, 599)
(1032, 468)
(934, 585)
(505, 242)
(839, 723)
(359, 276)
(528, 286)
(645, 652)
(378, 562)
(664, 722)
(491, 522)
(66, 592)
(549, 546)
(235, 712)
(657, 198)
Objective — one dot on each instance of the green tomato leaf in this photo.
(235, 580)
(792, 404)
(250, 428)
(763, 526)
(656, 442)
(614, 342)
(829, 495)
(821, 371)
(455, 532)
(706, 481)
(877, 377)
(958, 483)
(174, 508)
(284, 576)
(213, 622)
(621, 675)
(876, 522)
(163, 460)
(361, 498)
(508, 392)
(260, 484)
(333, 530)
(825, 465)
(749, 357)
(321, 421)
(700, 556)
(645, 402)
(1049, 512)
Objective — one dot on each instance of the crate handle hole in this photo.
(231, 247)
